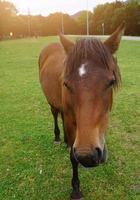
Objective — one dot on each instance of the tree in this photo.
(53, 24)
(112, 14)
(70, 25)
(132, 16)
(7, 12)
(82, 22)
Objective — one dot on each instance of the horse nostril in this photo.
(99, 153)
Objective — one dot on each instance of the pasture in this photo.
(31, 166)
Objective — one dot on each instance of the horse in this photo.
(78, 79)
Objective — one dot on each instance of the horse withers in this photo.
(78, 81)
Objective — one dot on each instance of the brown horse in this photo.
(78, 80)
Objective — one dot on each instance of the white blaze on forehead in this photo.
(82, 70)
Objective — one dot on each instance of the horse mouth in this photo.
(88, 167)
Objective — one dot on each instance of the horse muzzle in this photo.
(91, 159)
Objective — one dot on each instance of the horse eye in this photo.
(112, 82)
(68, 87)
(65, 84)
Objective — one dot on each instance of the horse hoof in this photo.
(56, 142)
(76, 196)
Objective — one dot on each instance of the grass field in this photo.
(31, 166)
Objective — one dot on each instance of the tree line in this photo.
(103, 20)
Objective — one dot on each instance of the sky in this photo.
(45, 7)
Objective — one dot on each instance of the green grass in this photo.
(31, 166)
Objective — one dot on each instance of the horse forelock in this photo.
(92, 50)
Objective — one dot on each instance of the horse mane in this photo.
(89, 49)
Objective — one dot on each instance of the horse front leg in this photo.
(70, 131)
(56, 128)
(76, 194)
(65, 135)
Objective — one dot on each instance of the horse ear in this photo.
(114, 40)
(67, 44)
